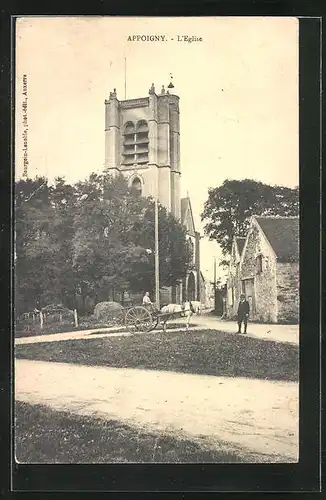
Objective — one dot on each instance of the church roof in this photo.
(283, 236)
(184, 206)
(187, 218)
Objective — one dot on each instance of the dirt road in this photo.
(258, 415)
(277, 333)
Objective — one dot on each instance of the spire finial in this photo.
(171, 86)
(152, 89)
(113, 94)
(163, 90)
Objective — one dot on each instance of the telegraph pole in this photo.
(157, 270)
(215, 299)
(125, 78)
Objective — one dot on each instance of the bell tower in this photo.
(142, 141)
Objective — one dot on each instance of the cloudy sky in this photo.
(238, 91)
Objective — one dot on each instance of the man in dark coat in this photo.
(243, 313)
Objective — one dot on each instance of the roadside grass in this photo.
(43, 435)
(205, 352)
(52, 329)
(83, 326)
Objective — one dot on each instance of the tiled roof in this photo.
(185, 204)
(283, 235)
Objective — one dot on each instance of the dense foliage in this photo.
(90, 241)
(229, 207)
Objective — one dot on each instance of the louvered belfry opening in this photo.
(135, 143)
(142, 142)
(129, 144)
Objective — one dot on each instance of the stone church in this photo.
(142, 141)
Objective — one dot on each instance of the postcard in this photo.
(156, 240)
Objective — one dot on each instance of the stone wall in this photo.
(288, 299)
(233, 286)
(264, 295)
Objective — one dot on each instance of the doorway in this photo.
(191, 287)
(248, 288)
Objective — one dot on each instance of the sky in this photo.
(238, 90)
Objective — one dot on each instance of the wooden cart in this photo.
(142, 319)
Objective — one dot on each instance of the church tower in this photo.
(142, 141)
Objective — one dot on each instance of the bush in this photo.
(92, 322)
(108, 311)
(290, 319)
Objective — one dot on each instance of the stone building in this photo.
(208, 294)
(267, 270)
(142, 141)
(234, 277)
(191, 286)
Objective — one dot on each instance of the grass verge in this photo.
(205, 352)
(43, 435)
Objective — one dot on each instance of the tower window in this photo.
(129, 128)
(142, 142)
(135, 143)
(136, 187)
(142, 127)
(128, 150)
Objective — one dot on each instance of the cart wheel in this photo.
(138, 319)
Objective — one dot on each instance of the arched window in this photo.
(135, 143)
(142, 127)
(136, 187)
(129, 143)
(191, 291)
(142, 142)
(191, 248)
(129, 128)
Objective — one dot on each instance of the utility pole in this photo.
(215, 298)
(125, 78)
(157, 270)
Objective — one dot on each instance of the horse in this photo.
(197, 307)
(170, 309)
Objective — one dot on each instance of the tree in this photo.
(229, 207)
(174, 253)
(114, 240)
(102, 245)
(43, 232)
(91, 239)
(63, 203)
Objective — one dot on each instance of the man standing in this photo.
(243, 313)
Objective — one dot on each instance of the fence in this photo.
(48, 318)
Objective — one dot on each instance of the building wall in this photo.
(233, 285)
(165, 187)
(288, 299)
(161, 175)
(175, 194)
(209, 295)
(149, 179)
(202, 291)
(263, 297)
